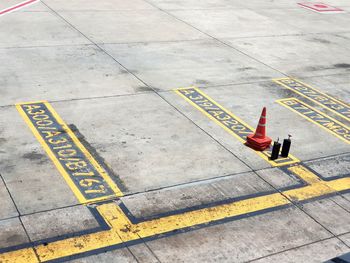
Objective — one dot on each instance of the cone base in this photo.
(258, 144)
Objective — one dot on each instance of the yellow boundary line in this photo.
(58, 164)
(265, 157)
(87, 154)
(311, 120)
(122, 230)
(278, 81)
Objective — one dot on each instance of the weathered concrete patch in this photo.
(59, 222)
(8, 208)
(315, 253)
(12, 233)
(146, 143)
(160, 65)
(279, 179)
(242, 240)
(61, 72)
(336, 166)
(202, 194)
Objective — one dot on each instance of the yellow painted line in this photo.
(334, 105)
(123, 230)
(53, 158)
(303, 173)
(227, 120)
(101, 171)
(317, 117)
(317, 186)
(26, 255)
(57, 162)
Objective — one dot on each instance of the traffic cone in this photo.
(259, 141)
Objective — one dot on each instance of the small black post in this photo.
(275, 150)
(286, 146)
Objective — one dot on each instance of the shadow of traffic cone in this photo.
(259, 141)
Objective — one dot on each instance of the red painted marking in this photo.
(18, 6)
(320, 7)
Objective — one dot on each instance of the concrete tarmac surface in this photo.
(123, 123)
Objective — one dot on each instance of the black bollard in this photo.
(275, 150)
(286, 146)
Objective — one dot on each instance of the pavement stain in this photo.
(245, 68)
(320, 40)
(201, 82)
(143, 89)
(16, 238)
(34, 156)
(342, 65)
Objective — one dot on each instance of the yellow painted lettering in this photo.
(76, 165)
(50, 134)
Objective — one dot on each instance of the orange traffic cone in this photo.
(259, 141)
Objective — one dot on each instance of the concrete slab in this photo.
(165, 153)
(154, 203)
(12, 233)
(37, 29)
(298, 56)
(346, 238)
(139, 253)
(313, 253)
(131, 26)
(181, 64)
(145, 141)
(121, 255)
(308, 21)
(32, 179)
(329, 214)
(336, 166)
(193, 4)
(143, 254)
(8, 208)
(103, 5)
(240, 100)
(59, 222)
(241, 241)
(61, 73)
(343, 200)
(286, 4)
(226, 23)
(278, 179)
(234, 4)
(334, 85)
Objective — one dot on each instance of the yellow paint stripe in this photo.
(308, 176)
(262, 155)
(26, 255)
(206, 215)
(279, 81)
(122, 230)
(53, 158)
(311, 120)
(58, 164)
(87, 154)
(305, 174)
